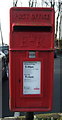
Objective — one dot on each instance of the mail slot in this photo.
(31, 59)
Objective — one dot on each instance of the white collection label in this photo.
(31, 77)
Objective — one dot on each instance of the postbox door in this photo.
(41, 95)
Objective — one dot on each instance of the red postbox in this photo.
(31, 58)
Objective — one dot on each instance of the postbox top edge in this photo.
(31, 8)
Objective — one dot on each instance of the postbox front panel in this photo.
(31, 59)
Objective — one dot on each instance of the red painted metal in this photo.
(31, 30)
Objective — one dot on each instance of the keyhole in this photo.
(19, 81)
